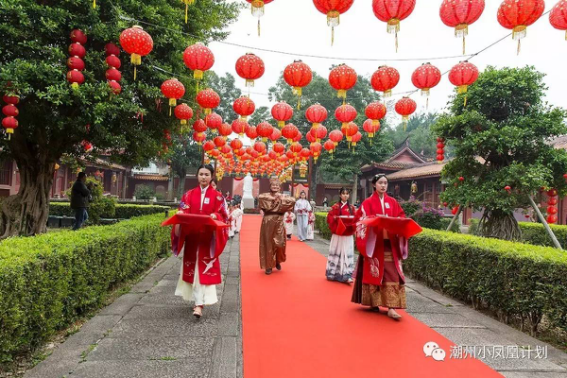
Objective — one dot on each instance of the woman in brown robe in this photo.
(272, 233)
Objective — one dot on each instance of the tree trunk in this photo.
(170, 185)
(499, 224)
(181, 186)
(26, 213)
(355, 189)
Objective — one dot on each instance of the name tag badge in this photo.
(207, 201)
(387, 205)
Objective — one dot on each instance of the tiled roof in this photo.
(421, 171)
(151, 177)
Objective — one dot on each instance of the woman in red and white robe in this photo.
(380, 279)
(342, 223)
(201, 271)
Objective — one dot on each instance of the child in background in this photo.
(311, 226)
(289, 217)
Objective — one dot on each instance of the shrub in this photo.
(121, 211)
(322, 226)
(429, 217)
(144, 192)
(48, 281)
(533, 233)
(410, 207)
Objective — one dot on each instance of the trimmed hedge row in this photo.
(518, 281)
(123, 211)
(48, 281)
(533, 233)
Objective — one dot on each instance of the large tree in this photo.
(502, 138)
(53, 116)
(346, 162)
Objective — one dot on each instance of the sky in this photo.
(298, 28)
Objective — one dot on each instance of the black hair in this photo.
(206, 166)
(378, 177)
(81, 175)
(343, 189)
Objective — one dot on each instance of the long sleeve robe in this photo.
(272, 232)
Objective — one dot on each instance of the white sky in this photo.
(297, 27)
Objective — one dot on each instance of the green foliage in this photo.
(226, 88)
(410, 207)
(322, 226)
(421, 138)
(261, 114)
(144, 192)
(121, 211)
(48, 281)
(346, 162)
(517, 281)
(501, 138)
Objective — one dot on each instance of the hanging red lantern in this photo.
(356, 138)
(462, 75)
(329, 146)
(184, 113)
(12, 100)
(236, 144)
(289, 132)
(113, 61)
(278, 148)
(333, 9)
(112, 74)
(173, 89)
(112, 49)
(455, 210)
(376, 111)
(351, 130)
(305, 153)
(209, 146)
(219, 141)
(310, 137)
(115, 87)
(213, 121)
(75, 78)
(336, 136)
(225, 130)
(264, 130)
(78, 36)
(316, 149)
(136, 42)
(282, 112)
(298, 75)
(295, 148)
(298, 137)
(319, 133)
(250, 67)
(10, 123)
(199, 126)
(370, 127)
(345, 114)
(276, 134)
(316, 114)
(243, 106)
(208, 100)
(459, 14)
(385, 79)
(558, 16)
(10, 110)
(88, 147)
(257, 8)
(252, 133)
(405, 107)
(77, 50)
(440, 150)
(198, 58)
(342, 78)
(199, 137)
(239, 126)
(260, 147)
(517, 15)
(75, 63)
(393, 12)
(426, 77)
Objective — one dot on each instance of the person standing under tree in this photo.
(80, 198)
(201, 271)
(342, 223)
(302, 209)
(272, 233)
(380, 279)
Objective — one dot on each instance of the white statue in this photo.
(247, 197)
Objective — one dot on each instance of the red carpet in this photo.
(298, 324)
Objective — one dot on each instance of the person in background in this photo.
(289, 217)
(357, 204)
(231, 221)
(325, 202)
(302, 209)
(237, 214)
(227, 197)
(80, 198)
(310, 226)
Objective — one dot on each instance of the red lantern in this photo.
(459, 14)
(558, 16)
(298, 75)
(260, 147)
(10, 110)
(77, 50)
(278, 148)
(552, 192)
(426, 77)
(209, 146)
(289, 132)
(282, 113)
(316, 114)
(518, 15)
(551, 210)
(112, 49)
(184, 113)
(236, 144)
(305, 153)
(333, 9)
(87, 146)
(376, 111)
(173, 90)
(356, 138)
(200, 126)
(208, 100)
(13, 100)
(113, 61)
(345, 114)
(295, 148)
(75, 63)
(276, 134)
(198, 58)
(264, 129)
(136, 42)
(75, 78)
(114, 74)
(78, 36)
(552, 219)
(552, 201)
(250, 67)
(385, 79)
(199, 138)
(336, 136)
(393, 12)
(225, 129)
(351, 130)
(455, 210)
(329, 146)
(405, 107)
(462, 75)
(257, 8)
(316, 149)
(252, 133)
(219, 141)
(310, 137)
(342, 78)
(243, 106)
(239, 126)
(10, 123)
(115, 87)
(319, 132)
(298, 137)
(370, 127)
(213, 121)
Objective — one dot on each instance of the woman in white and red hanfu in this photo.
(380, 279)
(201, 271)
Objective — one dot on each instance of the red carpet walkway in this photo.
(297, 324)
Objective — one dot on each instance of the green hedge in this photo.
(533, 233)
(48, 281)
(122, 211)
(518, 281)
